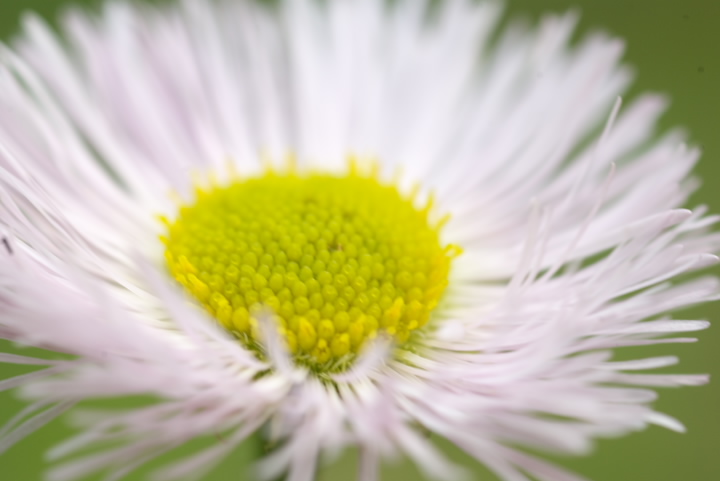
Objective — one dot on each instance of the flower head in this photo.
(345, 223)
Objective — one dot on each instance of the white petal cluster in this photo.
(566, 206)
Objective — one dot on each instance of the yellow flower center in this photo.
(338, 259)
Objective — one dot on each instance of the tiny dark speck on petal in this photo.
(6, 242)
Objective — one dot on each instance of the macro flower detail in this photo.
(341, 224)
(337, 259)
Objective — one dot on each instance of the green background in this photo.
(674, 46)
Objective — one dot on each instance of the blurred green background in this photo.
(675, 47)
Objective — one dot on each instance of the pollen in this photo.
(338, 259)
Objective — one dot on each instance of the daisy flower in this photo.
(341, 224)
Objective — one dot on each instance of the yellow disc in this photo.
(336, 258)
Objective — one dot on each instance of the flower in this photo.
(503, 224)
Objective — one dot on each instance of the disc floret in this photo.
(337, 259)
